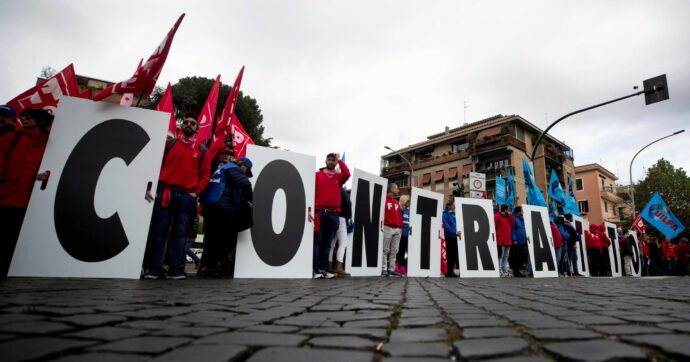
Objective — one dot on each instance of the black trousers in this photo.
(12, 219)
(452, 253)
(400, 258)
(517, 258)
(220, 241)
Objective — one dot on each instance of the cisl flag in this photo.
(47, 94)
(240, 138)
(145, 77)
(208, 112)
(638, 224)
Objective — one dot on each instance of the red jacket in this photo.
(604, 240)
(392, 214)
(19, 165)
(504, 227)
(183, 167)
(328, 184)
(591, 237)
(557, 237)
(645, 246)
(668, 250)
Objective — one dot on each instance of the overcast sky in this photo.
(354, 76)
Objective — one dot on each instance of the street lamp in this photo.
(632, 191)
(406, 160)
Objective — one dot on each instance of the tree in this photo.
(672, 184)
(189, 94)
(47, 72)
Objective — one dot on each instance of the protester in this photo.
(626, 247)
(593, 250)
(604, 243)
(644, 260)
(339, 242)
(558, 235)
(21, 153)
(504, 222)
(224, 213)
(392, 231)
(518, 249)
(668, 254)
(184, 175)
(327, 209)
(451, 236)
(573, 238)
(401, 258)
(656, 262)
(7, 119)
(682, 255)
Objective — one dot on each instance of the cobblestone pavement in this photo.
(356, 319)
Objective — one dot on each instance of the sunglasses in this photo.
(193, 123)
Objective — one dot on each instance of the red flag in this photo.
(86, 94)
(229, 109)
(444, 256)
(638, 224)
(208, 113)
(144, 78)
(240, 138)
(46, 95)
(166, 105)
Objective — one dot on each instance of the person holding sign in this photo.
(184, 175)
(518, 251)
(451, 234)
(392, 231)
(504, 222)
(21, 153)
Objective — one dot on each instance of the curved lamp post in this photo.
(406, 160)
(632, 191)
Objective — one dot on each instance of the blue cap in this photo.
(247, 162)
(5, 109)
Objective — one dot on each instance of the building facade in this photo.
(443, 162)
(596, 194)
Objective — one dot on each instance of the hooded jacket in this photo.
(20, 157)
(519, 231)
(504, 228)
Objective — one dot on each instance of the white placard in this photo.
(92, 220)
(636, 263)
(281, 242)
(580, 226)
(614, 251)
(424, 242)
(365, 244)
(477, 244)
(540, 241)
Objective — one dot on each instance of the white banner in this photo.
(614, 251)
(540, 241)
(477, 244)
(424, 242)
(580, 226)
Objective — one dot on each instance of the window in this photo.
(583, 205)
(579, 185)
(520, 133)
(606, 206)
(459, 146)
(438, 176)
(426, 179)
(453, 173)
(603, 185)
(613, 209)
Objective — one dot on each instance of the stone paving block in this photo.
(145, 345)
(418, 335)
(32, 348)
(377, 333)
(431, 312)
(35, 327)
(189, 332)
(206, 353)
(626, 329)
(327, 307)
(417, 349)
(673, 344)
(419, 321)
(520, 359)
(678, 326)
(563, 334)
(155, 312)
(231, 323)
(254, 339)
(489, 332)
(372, 323)
(487, 347)
(594, 320)
(281, 354)
(595, 351)
(19, 317)
(271, 328)
(414, 359)
(153, 325)
(485, 322)
(4, 337)
(342, 342)
(90, 320)
(103, 357)
(107, 333)
(648, 318)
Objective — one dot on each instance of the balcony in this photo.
(497, 141)
(609, 193)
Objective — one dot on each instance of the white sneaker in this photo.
(326, 274)
(316, 275)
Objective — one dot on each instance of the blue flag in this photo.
(510, 190)
(570, 203)
(553, 211)
(660, 216)
(501, 191)
(534, 196)
(555, 190)
(343, 158)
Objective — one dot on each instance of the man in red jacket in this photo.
(184, 176)
(21, 153)
(504, 225)
(327, 209)
(392, 231)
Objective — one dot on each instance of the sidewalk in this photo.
(356, 319)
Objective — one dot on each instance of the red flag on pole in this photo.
(208, 113)
(229, 109)
(46, 95)
(638, 224)
(166, 105)
(240, 138)
(86, 94)
(128, 98)
(144, 78)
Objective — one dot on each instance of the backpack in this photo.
(216, 185)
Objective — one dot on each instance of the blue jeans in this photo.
(174, 218)
(329, 223)
(573, 260)
(503, 263)
(559, 254)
